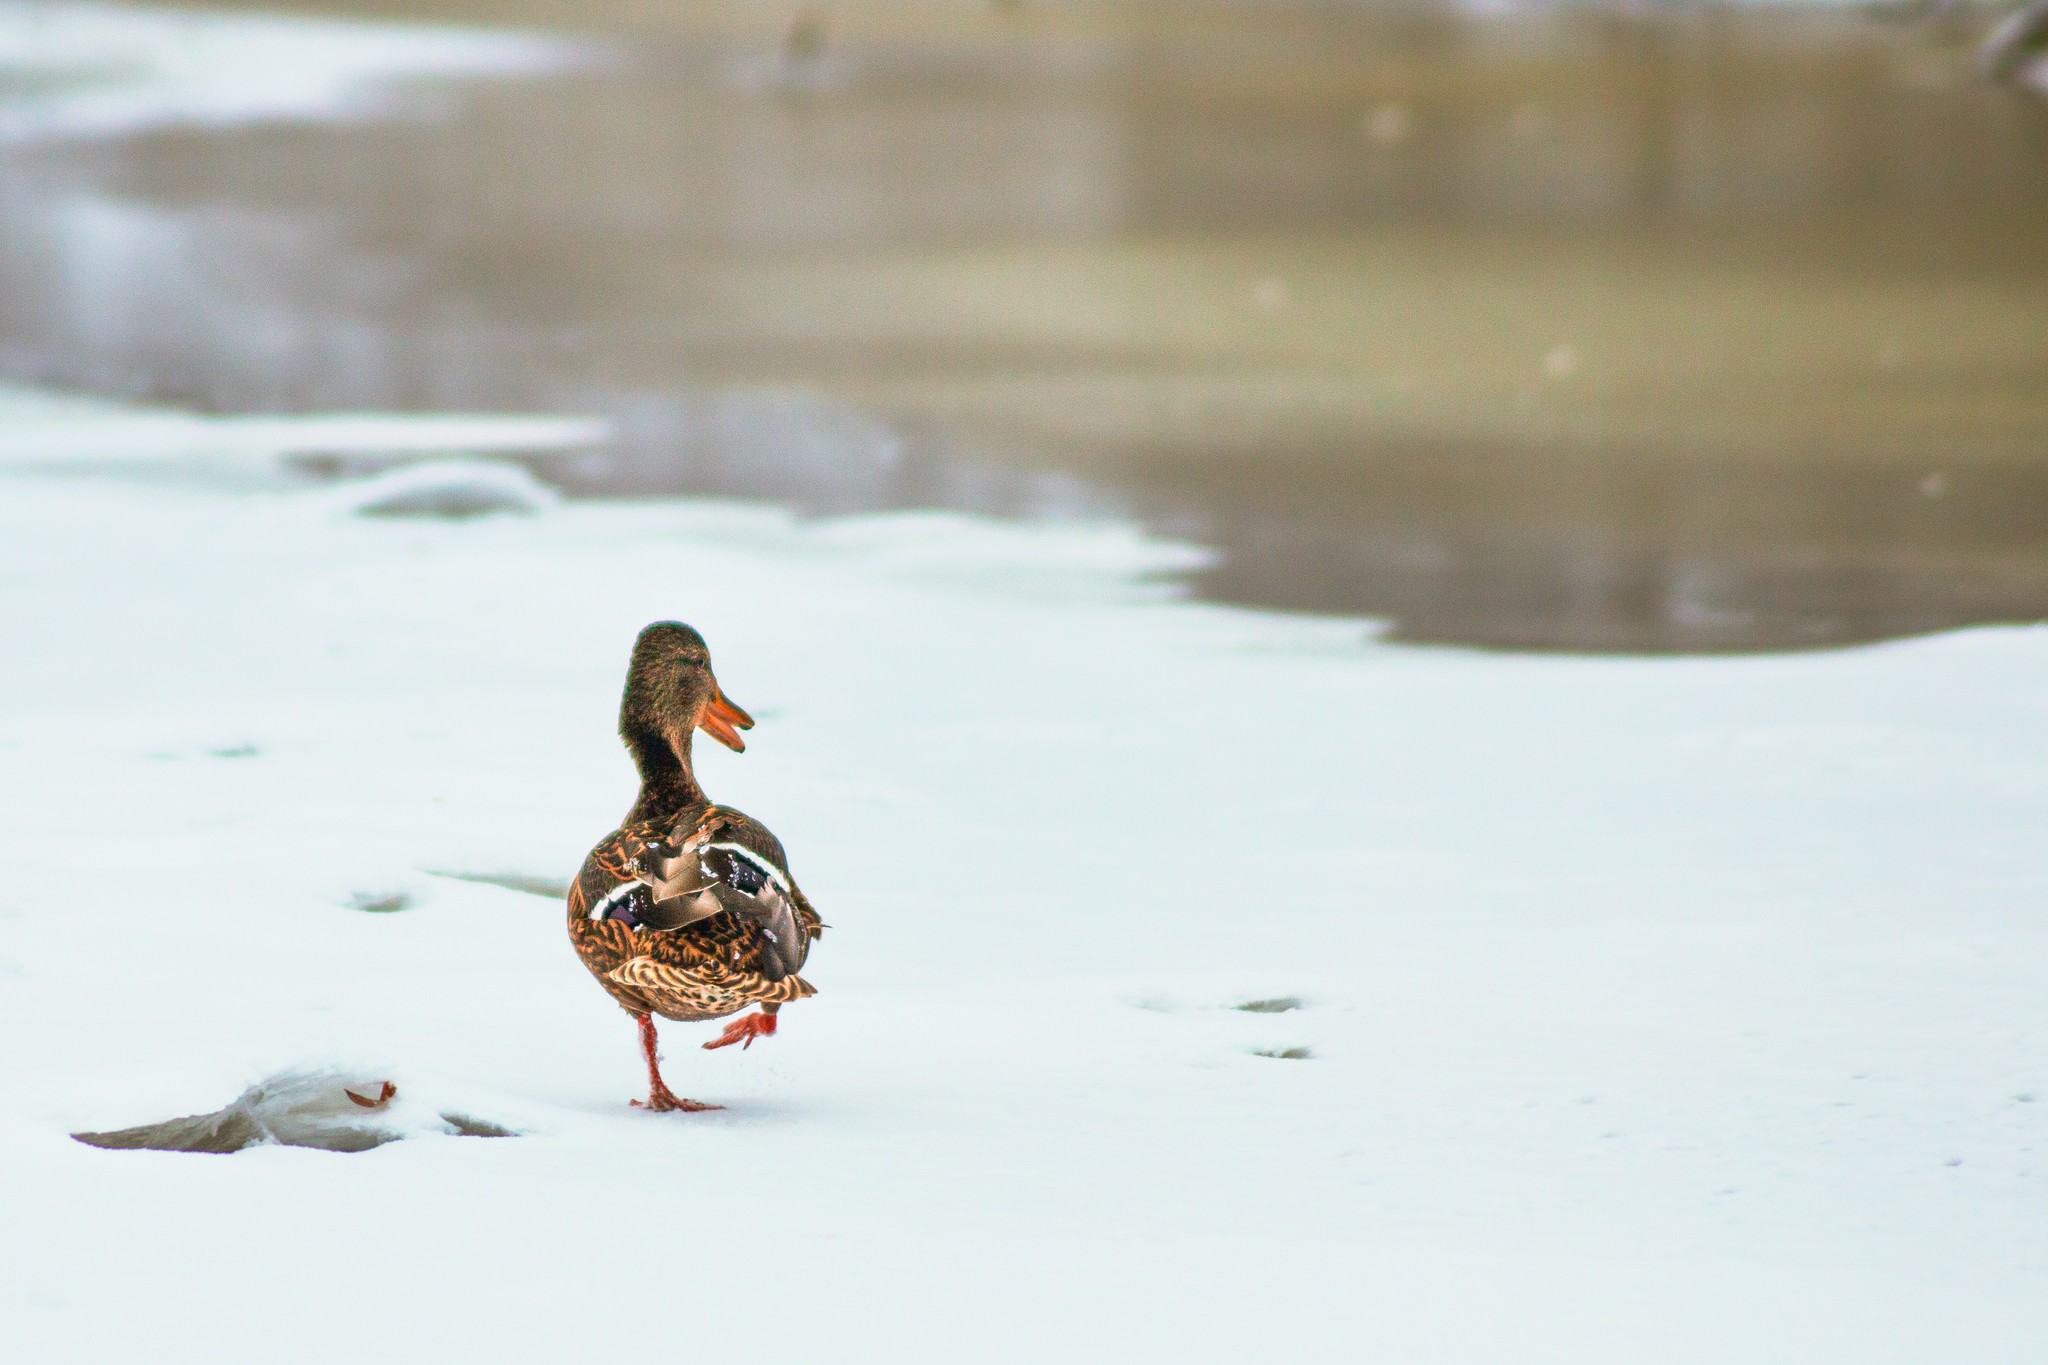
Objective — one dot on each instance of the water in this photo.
(1596, 333)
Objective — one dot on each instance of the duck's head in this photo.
(671, 691)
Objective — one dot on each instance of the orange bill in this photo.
(723, 722)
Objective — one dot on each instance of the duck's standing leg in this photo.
(660, 1099)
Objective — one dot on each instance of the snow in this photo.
(447, 488)
(328, 1110)
(72, 70)
(1679, 1010)
(55, 431)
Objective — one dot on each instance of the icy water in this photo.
(1588, 333)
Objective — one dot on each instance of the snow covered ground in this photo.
(1659, 1011)
(54, 431)
(88, 70)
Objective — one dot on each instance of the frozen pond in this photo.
(1585, 333)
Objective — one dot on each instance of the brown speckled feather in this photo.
(703, 992)
(712, 967)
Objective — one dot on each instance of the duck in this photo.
(687, 910)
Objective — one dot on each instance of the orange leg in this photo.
(660, 1099)
(745, 1029)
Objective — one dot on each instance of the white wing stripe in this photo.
(611, 898)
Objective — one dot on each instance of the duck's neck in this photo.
(667, 782)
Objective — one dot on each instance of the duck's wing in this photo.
(755, 893)
(705, 907)
(746, 875)
(652, 876)
(814, 928)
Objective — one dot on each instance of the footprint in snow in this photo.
(1276, 1004)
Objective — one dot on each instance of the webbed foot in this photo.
(744, 1030)
(666, 1101)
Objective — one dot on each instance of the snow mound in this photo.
(335, 1111)
(449, 489)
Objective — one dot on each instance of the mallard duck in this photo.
(687, 909)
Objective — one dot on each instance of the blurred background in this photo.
(1633, 328)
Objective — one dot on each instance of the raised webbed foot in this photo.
(744, 1030)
